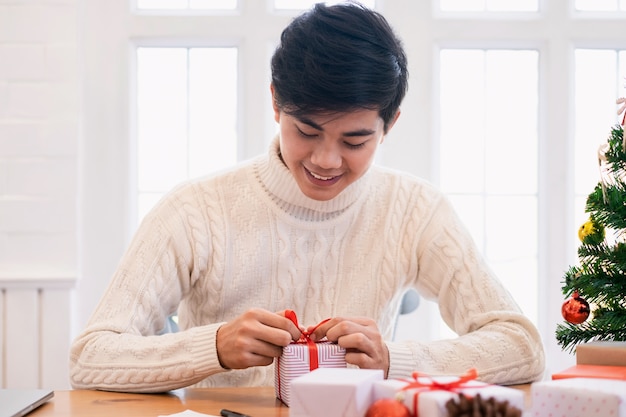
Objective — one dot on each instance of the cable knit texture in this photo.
(248, 237)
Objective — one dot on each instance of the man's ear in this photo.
(390, 125)
(274, 105)
(393, 122)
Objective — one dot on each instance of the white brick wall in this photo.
(38, 137)
(39, 119)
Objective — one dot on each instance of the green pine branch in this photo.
(616, 154)
(608, 325)
(610, 210)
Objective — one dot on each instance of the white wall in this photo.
(39, 123)
(39, 116)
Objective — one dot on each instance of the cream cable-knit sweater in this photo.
(248, 237)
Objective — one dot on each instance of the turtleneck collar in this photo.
(283, 189)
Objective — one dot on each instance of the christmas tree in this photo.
(596, 307)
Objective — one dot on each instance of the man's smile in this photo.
(322, 179)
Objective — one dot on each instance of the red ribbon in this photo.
(433, 385)
(305, 337)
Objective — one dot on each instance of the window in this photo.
(488, 157)
(186, 117)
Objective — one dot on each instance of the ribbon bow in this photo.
(432, 385)
(305, 337)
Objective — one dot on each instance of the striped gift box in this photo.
(299, 359)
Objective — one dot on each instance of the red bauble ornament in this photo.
(387, 407)
(575, 309)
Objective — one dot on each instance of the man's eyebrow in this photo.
(354, 133)
(360, 132)
(310, 122)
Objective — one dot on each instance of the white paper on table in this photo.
(189, 413)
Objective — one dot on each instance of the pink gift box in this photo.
(296, 361)
(328, 392)
(578, 397)
(432, 402)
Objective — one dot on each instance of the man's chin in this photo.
(321, 195)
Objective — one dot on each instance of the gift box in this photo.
(605, 353)
(301, 358)
(328, 392)
(592, 371)
(430, 394)
(578, 397)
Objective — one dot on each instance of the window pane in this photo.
(306, 4)
(489, 5)
(600, 5)
(186, 4)
(186, 117)
(489, 158)
(462, 99)
(212, 109)
(511, 121)
(161, 117)
(511, 219)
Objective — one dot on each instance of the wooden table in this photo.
(256, 402)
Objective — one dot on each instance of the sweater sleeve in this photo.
(493, 335)
(121, 348)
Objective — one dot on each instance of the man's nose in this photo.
(326, 156)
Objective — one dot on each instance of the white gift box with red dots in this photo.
(578, 397)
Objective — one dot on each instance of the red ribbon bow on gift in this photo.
(433, 385)
(305, 337)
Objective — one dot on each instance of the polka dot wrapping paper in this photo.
(578, 397)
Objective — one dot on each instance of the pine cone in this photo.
(479, 407)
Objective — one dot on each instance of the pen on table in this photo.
(229, 413)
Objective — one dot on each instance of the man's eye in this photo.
(355, 145)
(306, 135)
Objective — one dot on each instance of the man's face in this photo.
(327, 152)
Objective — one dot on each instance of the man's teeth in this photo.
(319, 177)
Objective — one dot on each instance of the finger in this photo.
(360, 359)
(290, 326)
(272, 328)
(344, 327)
(259, 356)
(320, 331)
(366, 353)
(357, 342)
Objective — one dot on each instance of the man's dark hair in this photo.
(339, 58)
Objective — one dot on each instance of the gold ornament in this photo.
(591, 233)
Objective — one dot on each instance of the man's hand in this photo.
(254, 338)
(360, 338)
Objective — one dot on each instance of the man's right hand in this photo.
(254, 338)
